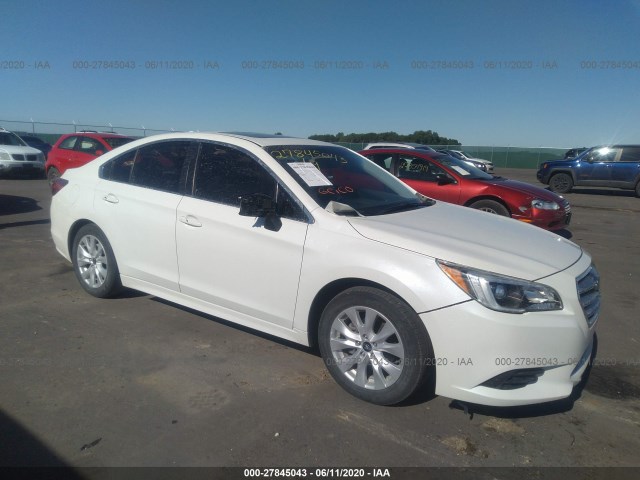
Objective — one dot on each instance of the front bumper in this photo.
(12, 166)
(547, 219)
(480, 355)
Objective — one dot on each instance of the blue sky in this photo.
(504, 96)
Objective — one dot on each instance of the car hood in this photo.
(19, 150)
(472, 238)
(528, 189)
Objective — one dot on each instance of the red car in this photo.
(448, 179)
(76, 149)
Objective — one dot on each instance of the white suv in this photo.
(313, 243)
(18, 157)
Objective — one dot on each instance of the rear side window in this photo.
(162, 166)
(89, 145)
(382, 160)
(630, 154)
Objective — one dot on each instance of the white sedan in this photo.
(313, 243)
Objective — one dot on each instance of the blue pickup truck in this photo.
(615, 166)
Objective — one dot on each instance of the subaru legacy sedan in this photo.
(313, 243)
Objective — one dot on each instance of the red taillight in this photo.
(57, 185)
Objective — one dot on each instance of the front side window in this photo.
(68, 143)
(344, 182)
(602, 155)
(224, 174)
(416, 168)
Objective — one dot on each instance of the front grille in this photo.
(589, 294)
(18, 156)
(32, 158)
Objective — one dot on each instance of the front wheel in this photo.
(561, 183)
(491, 206)
(52, 174)
(94, 262)
(374, 345)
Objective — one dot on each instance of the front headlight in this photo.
(4, 155)
(501, 293)
(544, 205)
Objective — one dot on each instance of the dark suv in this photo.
(616, 166)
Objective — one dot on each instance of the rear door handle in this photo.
(111, 198)
(190, 220)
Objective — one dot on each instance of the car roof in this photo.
(433, 154)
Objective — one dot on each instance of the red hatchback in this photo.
(75, 149)
(448, 179)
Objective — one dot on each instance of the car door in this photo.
(233, 261)
(625, 173)
(596, 168)
(428, 178)
(65, 153)
(86, 149)
(136, 201)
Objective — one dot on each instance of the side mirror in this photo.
(261, 206)
(444, 179)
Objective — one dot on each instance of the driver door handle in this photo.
(190, 220)
(111, 198)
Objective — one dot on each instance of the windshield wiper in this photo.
(342, 209)
(401, 207)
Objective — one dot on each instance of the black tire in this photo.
(491, 206)
(94, 262)
(638, 189)
(561, 183)
(391, 359)
(52, 174)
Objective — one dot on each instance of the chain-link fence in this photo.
(51, 131)
(501, 156)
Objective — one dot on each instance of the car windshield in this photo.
(344, 182)
(463, 168)
(8, 138)
(115, 142)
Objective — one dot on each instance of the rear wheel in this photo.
(374, 345)
(94, 263)
(491, 206)
(52, 174)
(561, 183)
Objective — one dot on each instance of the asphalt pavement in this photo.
(137, 381)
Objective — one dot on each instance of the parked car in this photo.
(76, 149)
(37, 143)
(419, 146)
(313, 243)
(481, 163)
(445, 178)
(17, 157)
(574, 152)
(615, 166)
